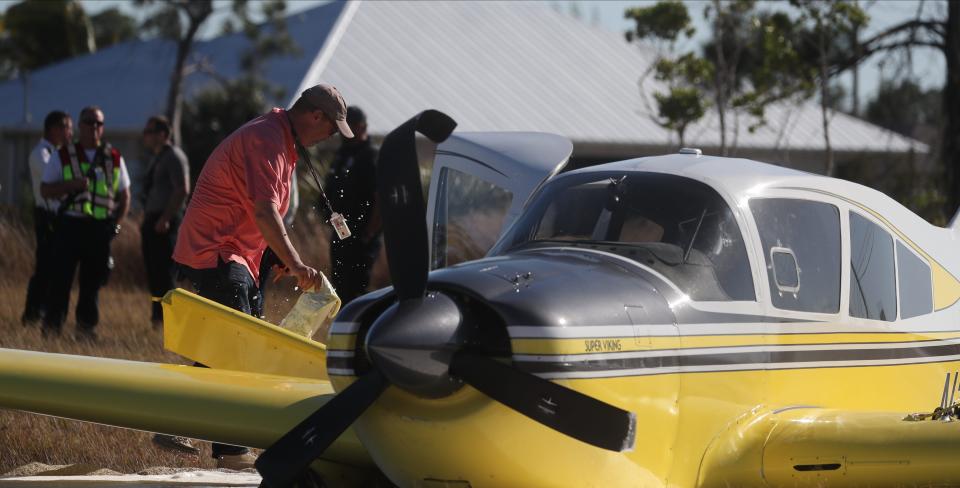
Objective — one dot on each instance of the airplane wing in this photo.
(264, 381)
(223, 338)
(808, 446)
(234, 407)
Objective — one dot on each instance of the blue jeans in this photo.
(228, 284)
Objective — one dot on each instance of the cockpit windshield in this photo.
(678, 226)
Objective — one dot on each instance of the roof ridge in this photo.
(327, 49)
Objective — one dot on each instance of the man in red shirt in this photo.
(236, 210)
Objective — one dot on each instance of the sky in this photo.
(927, 65)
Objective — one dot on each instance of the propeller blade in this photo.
(567, 411)
(283, 462)
(400, 197)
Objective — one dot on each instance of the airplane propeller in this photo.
(420, 343)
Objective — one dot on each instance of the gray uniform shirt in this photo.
(166, 172)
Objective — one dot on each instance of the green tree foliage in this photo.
(713, 78)
(181, 20)
(268, 38)
(667, 21)
(39, 32)
(755, 58)
(214, 113)
(685, 102)
(828, 24)
(942, 33)
(732, 25)
(685, 77)
(178, 20)
(905, 108)
(777, 69)
(8, 65)
(111, 26)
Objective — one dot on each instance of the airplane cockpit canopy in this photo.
(679, 227)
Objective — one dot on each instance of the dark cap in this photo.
(327, 99)
(355, 115)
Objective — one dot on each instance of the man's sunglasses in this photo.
(94, 123)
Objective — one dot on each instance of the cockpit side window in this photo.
(469, 217)
(677, 226)
(801, 246)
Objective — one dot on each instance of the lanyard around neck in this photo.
(306, 157)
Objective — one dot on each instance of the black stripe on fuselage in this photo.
(748, 360)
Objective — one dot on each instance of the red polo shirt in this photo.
(253, 163)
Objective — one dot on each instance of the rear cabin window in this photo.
(873, 284)
(801, 247)
(916, 290)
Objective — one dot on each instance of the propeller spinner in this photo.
(420, 342)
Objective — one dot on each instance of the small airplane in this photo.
(678, 320)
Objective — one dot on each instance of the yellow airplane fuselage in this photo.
(693, 429)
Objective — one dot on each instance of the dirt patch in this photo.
(163, 470)
(31, 469)
(41, 469)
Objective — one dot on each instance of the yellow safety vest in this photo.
(98, 201)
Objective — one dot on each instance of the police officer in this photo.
(352, 187)
(91, 178)
(57, 131)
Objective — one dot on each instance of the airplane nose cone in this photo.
(412, 343)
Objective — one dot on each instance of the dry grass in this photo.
(125, 333)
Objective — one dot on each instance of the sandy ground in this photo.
(43, 475)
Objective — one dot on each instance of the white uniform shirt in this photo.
(53, 173)
(39, 160)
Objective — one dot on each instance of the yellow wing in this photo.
(807, 446)
(223, 338)
(264, 381)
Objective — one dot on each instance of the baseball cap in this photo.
(327, 99)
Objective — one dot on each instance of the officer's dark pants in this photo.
(157, 251)
(352, 261)
(39, 285)
(81, 241)
(228, 284)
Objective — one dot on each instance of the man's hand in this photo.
(62, 188)
(79, 185)
(308, 279)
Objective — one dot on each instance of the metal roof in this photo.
(129, 81)
(492, 66)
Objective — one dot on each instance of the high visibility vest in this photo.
(98, 201)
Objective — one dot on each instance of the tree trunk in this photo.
(720, 76)
(950, 145)
(722, 115)
(855, 92)
(825, 103)
(174, 98)
(197, 13)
